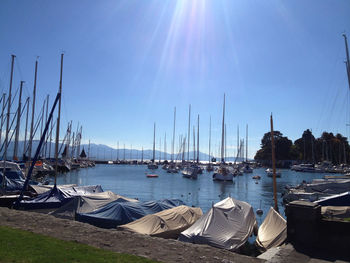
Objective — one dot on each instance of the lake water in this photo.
(131, 181)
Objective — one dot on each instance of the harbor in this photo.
(174, 131)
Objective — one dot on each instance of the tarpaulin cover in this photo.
(273, 231)
(88, 203)
(342, 199)
(329, 187)
(57, 197)
(168, 223)
(228, 224)
(336, 211)
(119, 213)
(40, 189)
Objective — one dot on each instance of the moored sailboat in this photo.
(223, 173)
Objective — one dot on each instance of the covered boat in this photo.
(88, 203)
(342, 199)
(167, 224)
(228, 224)
(57, 197)
(119, 213)
(272, 232)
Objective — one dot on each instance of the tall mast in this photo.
(2, 113)
(117, 150)
(7, 123)
(154, 143)
(225, 156)
(189, 131)
(209, 137)
(173, 146)
(246, 144)
(347, 59)
(124, 153)
(194, 144)
(33, 112)
(160, 149)
(223, 132)
(165, 154)
(47, 111)
(58, 120)
(26, 129)
(198, 139)
(142, 155)
(15, 150)
(273, 165)
(237, 140)
(89, 151)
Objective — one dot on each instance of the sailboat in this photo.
(152, 165)
(210, 166)
(223, 173)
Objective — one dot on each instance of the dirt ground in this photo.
(163, 250)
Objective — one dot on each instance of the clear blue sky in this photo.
(129, 63)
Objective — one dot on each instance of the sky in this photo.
(129, 63)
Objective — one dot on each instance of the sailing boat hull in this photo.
(223, 177)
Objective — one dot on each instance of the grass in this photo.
(23, 246)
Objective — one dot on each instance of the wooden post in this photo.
(273, 165)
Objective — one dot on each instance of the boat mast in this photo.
(26, 129)
(33, 112)
(2, 113)
(142, 155)
(223, 132)
(246, 144)
(347, 59)
(58, 120)
(173, 146)
(15, 150)
(7, 123)
(194, 144)
(198, 139)
(124, 153)
(117, 150)
(189, 133)
(237, 140)
(89, 151)
(273, 165)
(165, 154)
(154, 143)
(209, 136)
(46, 117)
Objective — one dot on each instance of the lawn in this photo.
(23, 246)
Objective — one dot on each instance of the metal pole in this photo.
(15, 150)
(26, 129)
(7, 123)
(58, 120)
(33, 112)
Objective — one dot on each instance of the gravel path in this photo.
(164, 250)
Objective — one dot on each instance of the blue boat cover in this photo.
(335, 200)
(57, 197)
(119, 213)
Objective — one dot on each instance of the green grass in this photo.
(22, 246)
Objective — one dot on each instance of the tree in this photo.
(283, 147)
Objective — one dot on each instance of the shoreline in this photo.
(164, 250)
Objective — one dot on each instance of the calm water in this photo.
(131, 181)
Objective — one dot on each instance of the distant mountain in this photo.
(104, 152)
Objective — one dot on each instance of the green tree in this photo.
(283, 147)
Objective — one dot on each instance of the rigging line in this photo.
(331, 81)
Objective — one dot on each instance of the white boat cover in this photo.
(167, 224)
(228, 224)
(88, 203)
(336, 211)
(272, 232)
